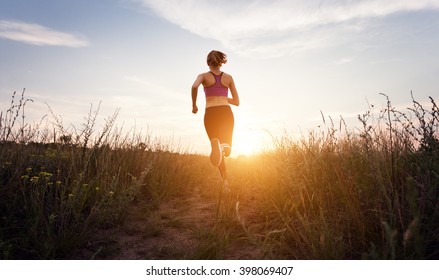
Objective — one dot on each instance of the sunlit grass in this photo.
(336, 193)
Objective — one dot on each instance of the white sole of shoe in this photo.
(226, 149)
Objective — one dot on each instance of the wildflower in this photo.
(97, 189)
(70, 195)
(58, 183)
(45, 174)
(25, 177)
(111, 193)
(29, 169)
(85, 185)
(35, 179)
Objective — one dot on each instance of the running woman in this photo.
(218, 117)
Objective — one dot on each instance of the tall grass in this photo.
(342, 194)
(59, 185)
(337, 193)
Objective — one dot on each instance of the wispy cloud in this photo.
(153, 88)
(39, 35)
(277, 27)
(344, 60)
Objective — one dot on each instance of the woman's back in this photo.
(209, 79)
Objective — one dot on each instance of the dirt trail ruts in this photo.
(182, 227)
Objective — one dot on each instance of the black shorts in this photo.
(219, 123)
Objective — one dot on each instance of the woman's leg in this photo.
(212, 119)
(219, 123)
(226, 131)
(216, 154)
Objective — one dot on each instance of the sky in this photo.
(292, 61)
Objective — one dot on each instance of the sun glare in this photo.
(248, 142)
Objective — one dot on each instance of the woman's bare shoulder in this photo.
(227, 77)
(206, 74)
(203, 76)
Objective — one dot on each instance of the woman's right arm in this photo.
(235, 97)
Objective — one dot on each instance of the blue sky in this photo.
(290, 60)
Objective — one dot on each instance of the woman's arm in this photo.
(235, 97)
(194, 92)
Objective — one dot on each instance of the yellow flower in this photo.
(110, 193)
(45, 174)
(34, 179)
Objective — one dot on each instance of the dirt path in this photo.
(189, 226)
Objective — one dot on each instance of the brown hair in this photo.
(216, 58)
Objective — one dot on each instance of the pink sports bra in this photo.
(217, 89)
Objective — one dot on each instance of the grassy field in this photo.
(336, 193)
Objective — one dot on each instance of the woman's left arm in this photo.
(194, 93)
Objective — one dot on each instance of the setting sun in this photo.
(249, 142)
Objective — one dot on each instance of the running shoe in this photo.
(226, 149)
(217, 154)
